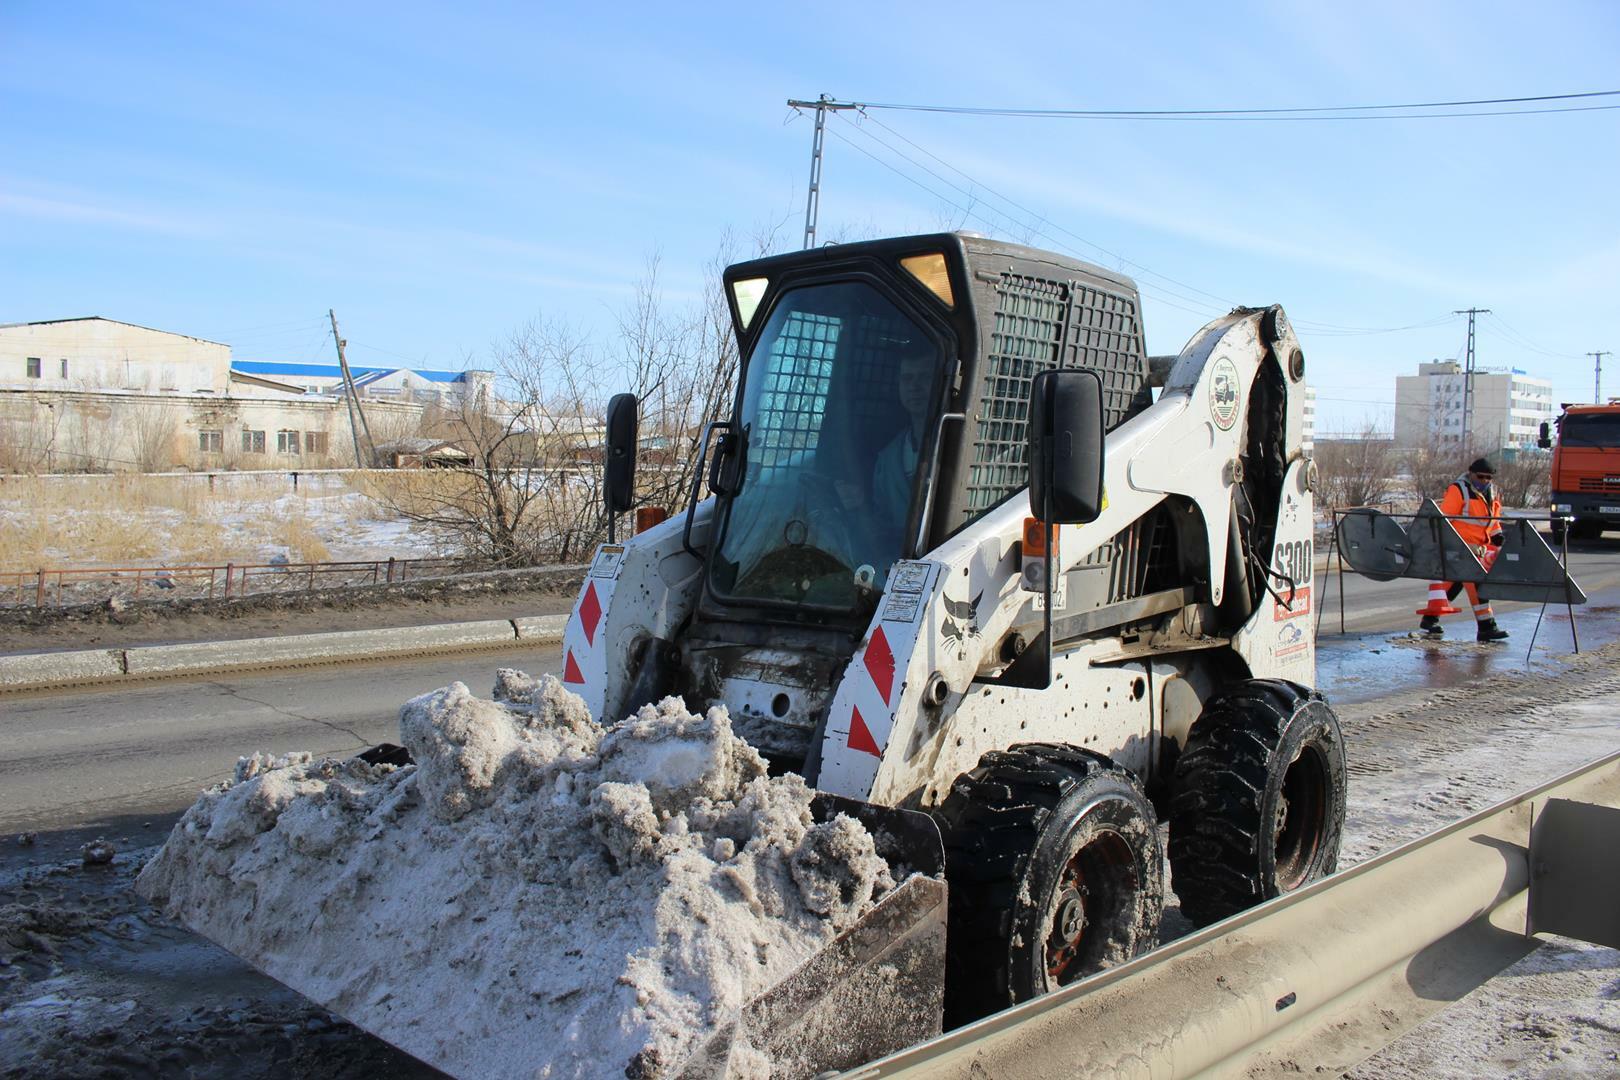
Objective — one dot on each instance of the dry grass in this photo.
(118, 520)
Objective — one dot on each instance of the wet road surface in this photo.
(1379, 653)
(75, 756)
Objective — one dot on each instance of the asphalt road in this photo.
(77, 756)
(68, 758)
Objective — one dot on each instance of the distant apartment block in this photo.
(102, 395)
(1508, 409)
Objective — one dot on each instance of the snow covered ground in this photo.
(77, 521)
(91, 978)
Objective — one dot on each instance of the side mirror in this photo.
(1066, 446)
(619, 456)
(1545, 442)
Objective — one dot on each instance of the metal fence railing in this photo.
(64, 586)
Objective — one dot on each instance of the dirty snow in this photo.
(1556, 1013)
(538, 895)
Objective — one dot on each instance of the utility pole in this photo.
(353, 399)
(1597, 375)
(812, 208)
(1468, 376)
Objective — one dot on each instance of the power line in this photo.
(386, 352)
(1515, 338)
(969, 212)
(1039, 220)
(1034, 214)
(1319, 112)
(1332, 330)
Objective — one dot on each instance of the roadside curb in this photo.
(34, 671)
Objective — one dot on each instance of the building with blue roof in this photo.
(87, 394)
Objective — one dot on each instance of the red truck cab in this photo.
(1585, 470)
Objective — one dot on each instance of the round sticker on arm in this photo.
(1225, 394)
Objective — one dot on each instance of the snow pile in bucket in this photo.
(537, 895)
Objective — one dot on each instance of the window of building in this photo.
(315, 442)
(64, 367)
(286, 442)
(33, 367)
(211, 442)
(252, 442)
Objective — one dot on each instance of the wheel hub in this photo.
(1071, 918)
(1091, 902)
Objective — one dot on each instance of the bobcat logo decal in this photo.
(962, 622)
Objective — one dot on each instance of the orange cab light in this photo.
(1035, 537)
(933, 274)
(648, 516)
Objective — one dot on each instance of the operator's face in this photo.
(1483, 479)
(916, 379)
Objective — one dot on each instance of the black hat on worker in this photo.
(1482, 465)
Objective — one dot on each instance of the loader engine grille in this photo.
(1040, 324)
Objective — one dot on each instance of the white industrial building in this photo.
(106, 355)
(1509, 407)
(97, 394)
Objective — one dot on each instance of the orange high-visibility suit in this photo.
(1479, 526)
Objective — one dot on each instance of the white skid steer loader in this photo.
(989, 593)
(961, 565)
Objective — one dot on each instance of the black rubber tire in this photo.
(1036, 836)
(1257, 799)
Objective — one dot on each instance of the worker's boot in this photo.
(1489, 631)
(1430, 625)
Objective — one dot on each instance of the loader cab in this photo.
(829, 450)
(882, 407)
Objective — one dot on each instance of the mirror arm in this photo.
(697, 482)
(1046, 620)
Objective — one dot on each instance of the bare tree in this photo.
(152, 430)
(522, 496)
(1358, 471)
(94, 438)
(389, 425)
(1435, 464)
(1523, 480)
(531, 492)
(28, 429)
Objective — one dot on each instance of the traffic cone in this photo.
(1438, 604)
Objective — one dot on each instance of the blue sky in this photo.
(443, 175)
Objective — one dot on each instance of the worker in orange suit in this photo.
(1476, 512)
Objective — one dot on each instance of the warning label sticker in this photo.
(609, 560)
(908, 584)
(902, 607)
(909, 577)
(1300, 606)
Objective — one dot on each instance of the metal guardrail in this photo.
(61, 586)
(1319, 979)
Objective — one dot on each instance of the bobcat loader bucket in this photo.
(876, 988)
